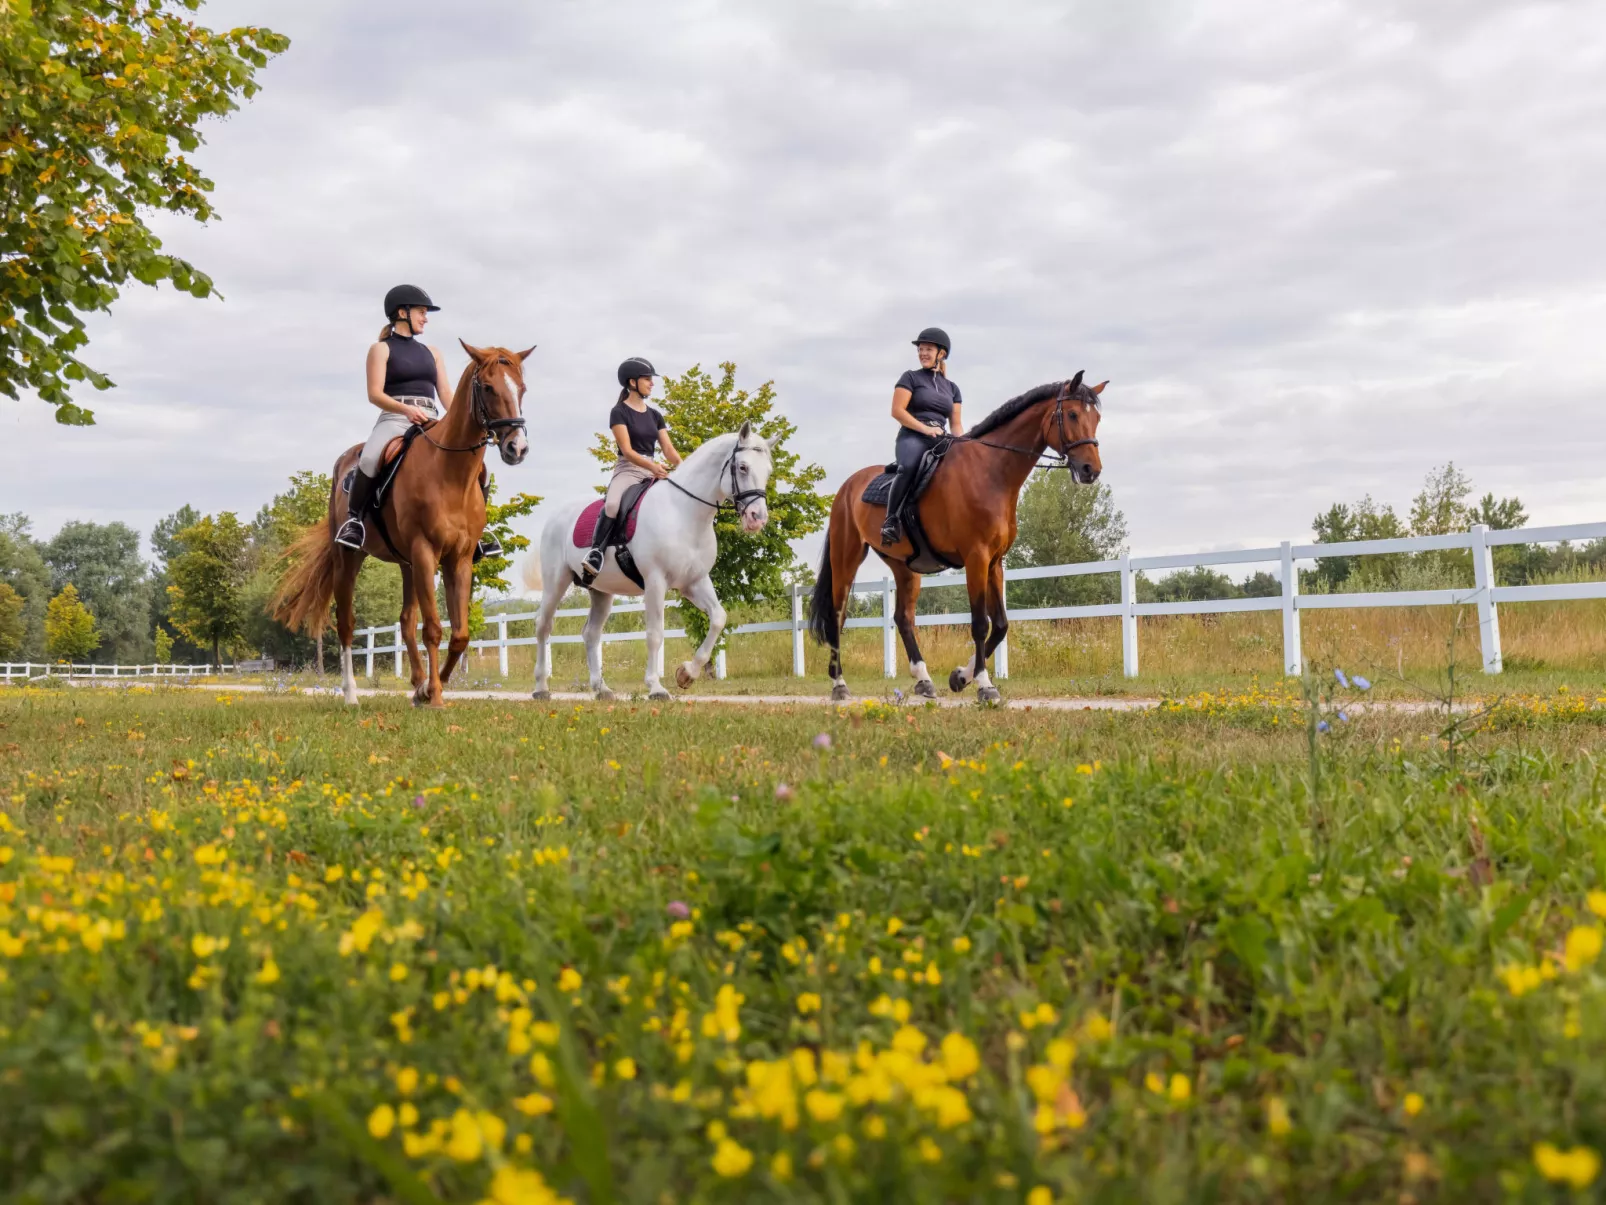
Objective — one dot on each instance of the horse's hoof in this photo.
(660, 695)
(957, 682)
(683, 677)
(839, 693)
(543, 695)
(605, 695)
(988, 694)
(926, 689)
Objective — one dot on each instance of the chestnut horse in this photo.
(433, 512)
(968, 514)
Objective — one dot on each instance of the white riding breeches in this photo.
(387, 427)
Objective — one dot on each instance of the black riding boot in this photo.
(488, 544)
(592, 565)
(892, 527)
(352, 533)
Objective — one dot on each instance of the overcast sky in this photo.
(1318, 248)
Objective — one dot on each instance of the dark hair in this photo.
(623, 394)
(389, 329)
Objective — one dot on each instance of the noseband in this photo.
(495, 428)
(740, 499)
(1061, 458)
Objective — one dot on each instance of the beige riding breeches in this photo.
(624, 476)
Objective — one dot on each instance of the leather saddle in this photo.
(395, 453)
(926, 559)
(623, 532)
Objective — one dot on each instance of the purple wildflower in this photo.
(1343, 718)
(783, 792)
(678, 909)
(1323, 726)
(1361, 683)
(1342, 680)
(418, 801)
(823, 741)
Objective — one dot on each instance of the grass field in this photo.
(268, 949)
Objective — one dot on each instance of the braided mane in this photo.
(1043, 393)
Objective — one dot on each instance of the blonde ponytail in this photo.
(386, 331)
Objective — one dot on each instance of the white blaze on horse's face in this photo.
(751, 467)
(515, 447)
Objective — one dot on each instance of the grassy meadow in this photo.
(259, 948)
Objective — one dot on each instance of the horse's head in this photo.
(749, 479)
(1071, 428)
(498, 397)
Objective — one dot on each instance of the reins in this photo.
(481, 412)
(1062, 454)
(739, 499)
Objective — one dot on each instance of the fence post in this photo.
(889, 650)
(797, 630)
(719, 664)
(1293, 651)
(501, 640)
(1488, 613)
(398, 645)
(1001, 653)
(1129, 619)
(368, 653)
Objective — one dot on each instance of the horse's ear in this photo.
(1075, 382)
(525, 354)
(747, 429)
(474, 353)
(1099, 388)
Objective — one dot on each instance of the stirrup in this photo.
(891, 531)
(592, 565)
(488, 546)
(352, 534)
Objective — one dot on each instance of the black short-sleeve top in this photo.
(642, 426)
(932, 396)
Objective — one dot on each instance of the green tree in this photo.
(164, 647)
(1514, 564)
(749, 567)
(207, 577)
(23, 568)
(1365, 520)
(1059, 522)
(69, 627)
(1198, 584)
(164, 546)
(100, 104)
(13, 626)
(102, 562)
(1441, 507)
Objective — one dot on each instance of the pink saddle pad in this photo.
(586, 525)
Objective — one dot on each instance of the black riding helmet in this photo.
(935, 336)
(404, 297)
(634, 369)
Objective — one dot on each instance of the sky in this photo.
(1316, 248)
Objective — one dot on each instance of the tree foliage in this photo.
(100, 106)
(23, 568)
(102, 561)
(13, 627)
(164, 647)
(750, 567)
(499, 522)
(1059, 522)
(69, 627)
(206, 581)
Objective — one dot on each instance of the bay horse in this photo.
(673, 547)
(432, 516)
(968, 514)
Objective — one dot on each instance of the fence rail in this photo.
(1484, 595)
(1479, 540)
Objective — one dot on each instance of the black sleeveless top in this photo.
(410, 371)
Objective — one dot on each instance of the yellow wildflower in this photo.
(1278, 1122)
(1040, 1196)
(1577, 1167)
(545, 1033)
(407, 1080)
(731, 1159)
(1412, 1104)
(382, 1121)
(625, 1068)
(1597, 902)
(959, 1057)
(1581, 948)
(569, 980)
(823, 1106)
(1180, 1090)
(534, 1105)
(808, 1002)
(781, 1166)
(269, 972)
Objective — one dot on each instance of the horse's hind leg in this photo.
(653, 613)
(976, 575)
(346, 620)
(408, 623)
(551, 595)
(904, 618)
(986, 692)
(601, 604)
(845, 562)
(459, 582)
(428, 692)
(701, 595)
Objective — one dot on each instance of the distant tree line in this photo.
(87, 594)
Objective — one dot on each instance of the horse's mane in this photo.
(995, 420)
(706, 450)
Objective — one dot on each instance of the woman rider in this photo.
(407, 381)
(639, 431)
(924, 402)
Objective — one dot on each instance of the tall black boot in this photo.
(892, 527)
(488, 544)
(352, 533)
(592, 565)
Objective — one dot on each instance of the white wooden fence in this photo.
(1484, 595)
(10, 670)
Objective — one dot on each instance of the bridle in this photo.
(1061, 458)
(494, 427)
(740, 500)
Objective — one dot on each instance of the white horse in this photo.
(674, 549)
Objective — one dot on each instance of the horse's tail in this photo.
(531, 573)
(308, 586)
(822, 603)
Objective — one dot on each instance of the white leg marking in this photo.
(983, 681)
(919, 672)
(965, 673)
(348, 679)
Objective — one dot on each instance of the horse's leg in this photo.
(346, 620)
(986, 692)
(428, 692)
(904, 617)
(701, 595)
(976, 584)
(601, 604)
(408, 622)
(459, 582)
(551, 595)
(846, 557)
(653, 612)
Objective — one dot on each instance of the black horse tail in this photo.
(822, 606)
